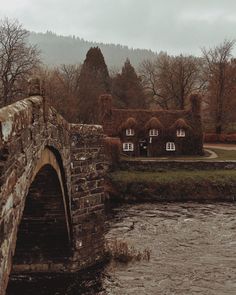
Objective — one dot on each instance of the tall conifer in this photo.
(127, 88)
(94, 81)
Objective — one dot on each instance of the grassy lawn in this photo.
(183, 176)
(224, 154)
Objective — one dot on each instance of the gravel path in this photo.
(213, 155)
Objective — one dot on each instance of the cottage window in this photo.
(128, 146)
(130, 132)
(170, 146)
(180, 132)
(153, 132)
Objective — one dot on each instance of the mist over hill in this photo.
(56, 50)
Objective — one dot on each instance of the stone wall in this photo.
(32, 135)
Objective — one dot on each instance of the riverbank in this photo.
(175, 185)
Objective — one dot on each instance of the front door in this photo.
(143, 148)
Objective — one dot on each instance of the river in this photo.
(192, 251)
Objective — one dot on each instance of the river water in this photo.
(192, 246)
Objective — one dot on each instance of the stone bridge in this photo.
(51, 191)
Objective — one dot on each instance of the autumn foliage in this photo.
(222, 138)
(61, 89)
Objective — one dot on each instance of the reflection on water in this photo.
(87, 283)
(193, 251)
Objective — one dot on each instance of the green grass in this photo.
(224, 154)
(183, 176)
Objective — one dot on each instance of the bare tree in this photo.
(17, 60)
(149, 73)
(61, 88)
(221, 78)
(169, 80)
(70, 74)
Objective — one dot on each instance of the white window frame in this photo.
(180, 132)
(129, 132)
(153, 132)
(128, 147)
(170, 146)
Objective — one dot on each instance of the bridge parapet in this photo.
(25, 132)
(17, 117)
(32, 135)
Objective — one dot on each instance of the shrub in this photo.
(231, 138)
(223, 138)
(120, 251)
(211, 137)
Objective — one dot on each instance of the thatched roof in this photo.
(129, 123)
(180, 124)
(122, 119)
(154, 123)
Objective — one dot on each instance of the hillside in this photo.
(56, 50)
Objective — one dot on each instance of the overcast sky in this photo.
(176, 26)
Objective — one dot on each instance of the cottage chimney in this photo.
(105, 106)
(195, 100)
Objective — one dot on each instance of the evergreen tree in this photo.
(94, 80)
(127, 88)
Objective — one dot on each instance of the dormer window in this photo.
(180, 132)
(129, 132)
(153, 132)
(170, 146)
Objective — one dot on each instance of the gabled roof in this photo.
(180, 124)
(154, 123)
(129, 123)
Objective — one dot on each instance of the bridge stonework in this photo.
(51, 191)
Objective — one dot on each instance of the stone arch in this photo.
(44, 233)
(64, 182)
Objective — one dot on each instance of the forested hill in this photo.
(56, 50)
